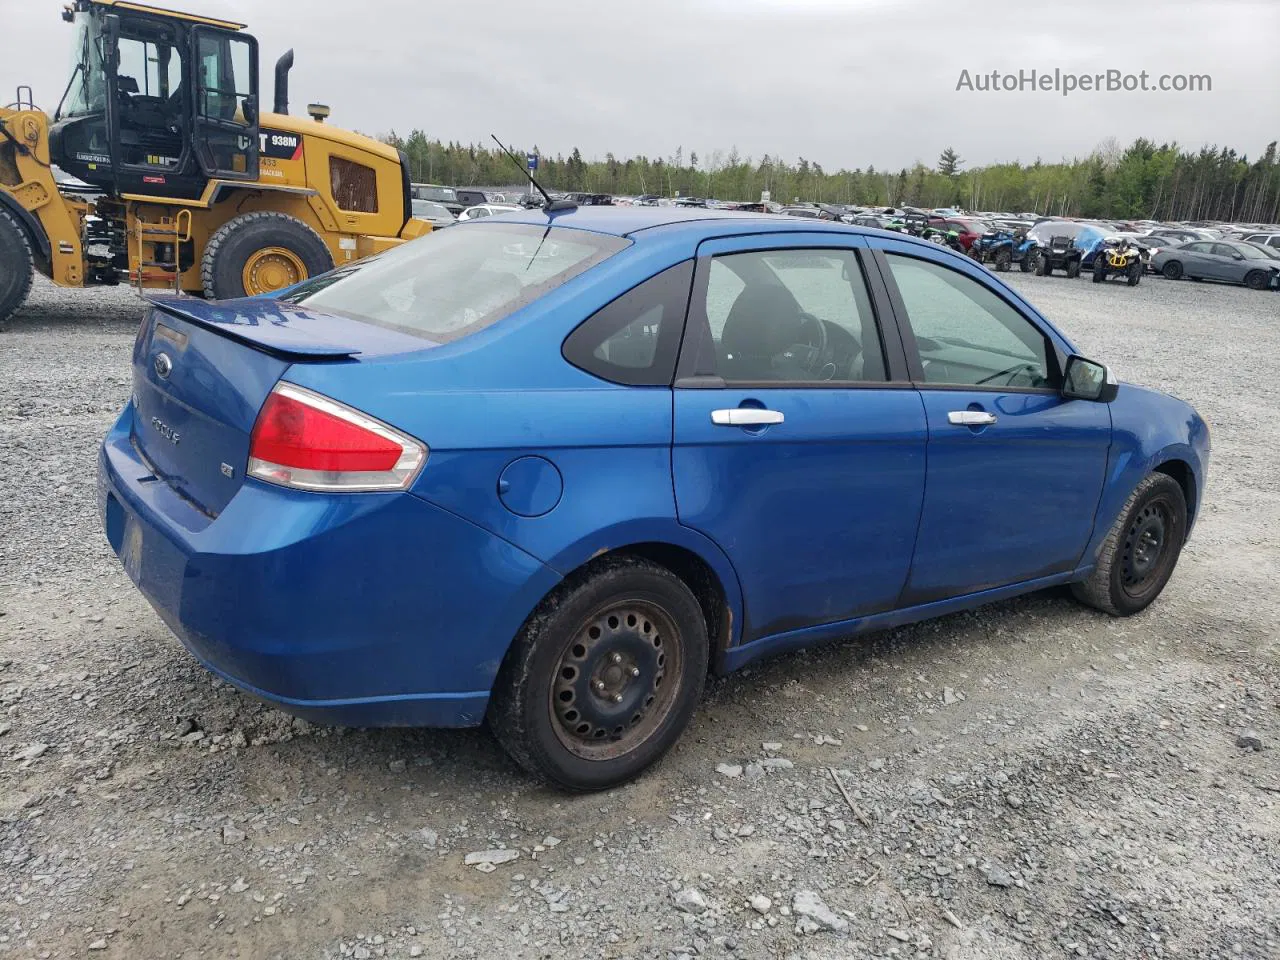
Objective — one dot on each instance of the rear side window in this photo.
(452, 283)
(634, 340)
(355, 186)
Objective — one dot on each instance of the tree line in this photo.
(1143, 180)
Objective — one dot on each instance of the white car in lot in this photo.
(1271, 240)
(481, 210)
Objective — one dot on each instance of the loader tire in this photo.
(17, 265)
(259, 253)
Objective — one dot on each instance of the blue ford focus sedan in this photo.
(549, 469)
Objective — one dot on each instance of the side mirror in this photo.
(1237, 256)
(1087, 380)
(249, 109)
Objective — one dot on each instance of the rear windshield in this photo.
(443, 194)
(453, 282)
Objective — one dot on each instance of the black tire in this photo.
(1028, 262)
(17, 265)
(1099, 271)
(545, 709)
(1127, 577)
(1172, 270)
(1043, 267)
(1004, 260)
(232, 245)
(1073, 269)
(1135, 274)
(1254, 280)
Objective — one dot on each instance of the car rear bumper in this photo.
(360, 609)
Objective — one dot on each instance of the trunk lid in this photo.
(202, 371)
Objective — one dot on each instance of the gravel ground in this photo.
(1029, 780)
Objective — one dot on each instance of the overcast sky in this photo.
(843, 82)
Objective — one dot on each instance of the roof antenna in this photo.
(551, 205)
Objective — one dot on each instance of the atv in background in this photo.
(1060, 253)
(1118, 256)
(943, 236)
(1005, 248)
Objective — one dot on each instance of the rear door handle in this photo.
(745, 417)
(971, 418)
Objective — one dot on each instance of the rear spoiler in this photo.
(271, 326)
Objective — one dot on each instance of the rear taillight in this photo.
(307, 441)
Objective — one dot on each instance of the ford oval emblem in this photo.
(163, 365)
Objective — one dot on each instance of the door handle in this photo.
(971, 418)
(745, 417)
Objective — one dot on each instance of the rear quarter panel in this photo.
(506, 392)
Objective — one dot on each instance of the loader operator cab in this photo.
(158, 103)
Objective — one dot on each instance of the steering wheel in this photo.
(815, 352)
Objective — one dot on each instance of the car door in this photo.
(798, 442)
(1015, 471)
(1198, 260)
(1233, 265)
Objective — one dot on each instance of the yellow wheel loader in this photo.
(174, 177)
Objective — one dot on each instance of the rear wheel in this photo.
(1257, 280)
(1172, 270)
(603, 677)
(1004, 259)
(1140, 551)
(260, 253)
(1073, 268)
(17, 265)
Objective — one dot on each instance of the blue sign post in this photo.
(532, 160)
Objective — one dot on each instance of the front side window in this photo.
(965, 333)
(452, 283)
(1198, 247)
(798, 316)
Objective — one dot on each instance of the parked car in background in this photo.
(1225, 260)
(591, 199)
(966, 229)
(487, 210)
(544, 472)
(807, 213)
(1263, 239)
(469, 197)
(445, 196)
(436, 213)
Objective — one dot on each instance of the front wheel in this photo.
(1043, 269)
(1099, 271)
(17, 265)
(1257, 280)
(1135, 274)
(1172, 270)
(1073, 269)
(1003, 260)
(604, 676)
(1137, 558)
(1028, 261)
(259, 253)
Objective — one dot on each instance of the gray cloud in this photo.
(842, 82)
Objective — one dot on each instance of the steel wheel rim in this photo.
(271, 269)
(617, 680)
(1147, 547)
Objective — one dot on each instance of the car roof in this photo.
(629, 221)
